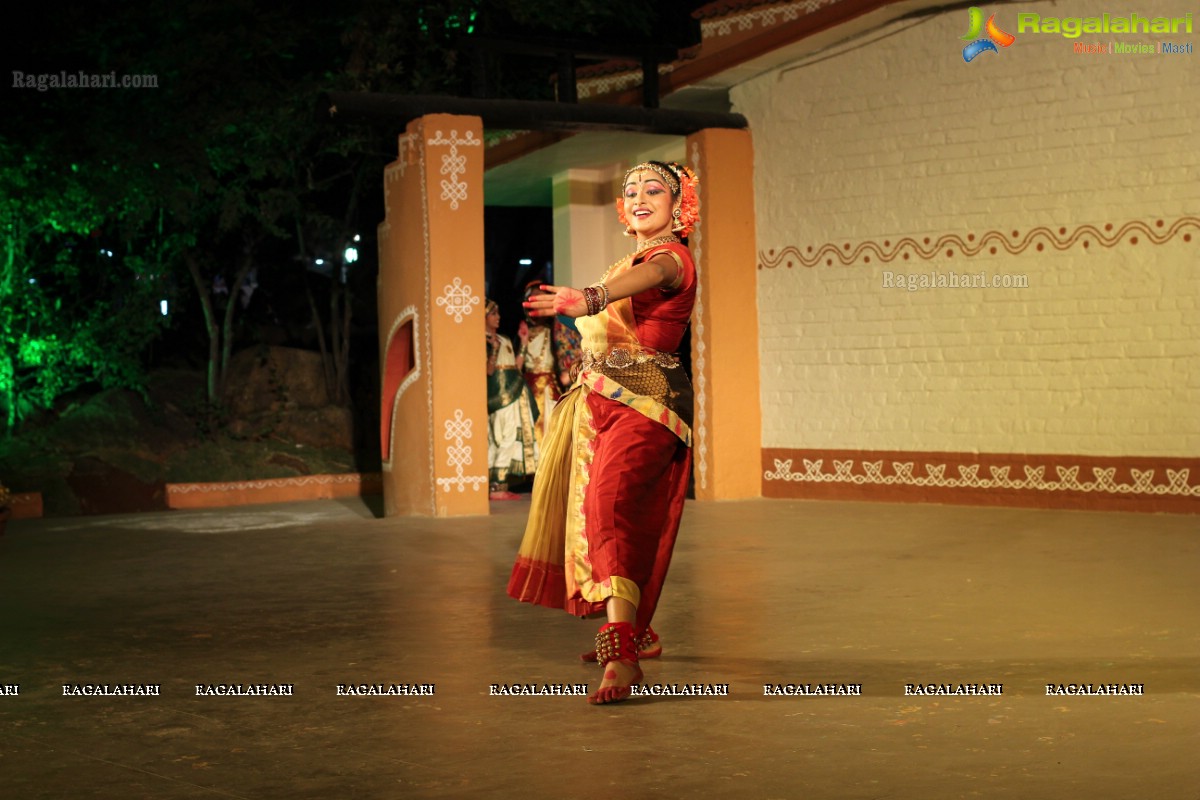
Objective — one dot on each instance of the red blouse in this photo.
(662, 315)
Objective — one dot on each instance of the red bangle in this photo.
(596, 298)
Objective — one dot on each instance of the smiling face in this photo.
(648, 204)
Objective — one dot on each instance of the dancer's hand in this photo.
(556, 300)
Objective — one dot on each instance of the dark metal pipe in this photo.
(394, 110)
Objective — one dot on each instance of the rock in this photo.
(297, 465)
(262, 379)
(328, 427)
(101, 488)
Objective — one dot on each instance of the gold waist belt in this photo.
(656, 376)
(621, 357)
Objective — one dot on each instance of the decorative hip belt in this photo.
(622, 357)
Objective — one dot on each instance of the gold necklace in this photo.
(668, 238)
(646, 245)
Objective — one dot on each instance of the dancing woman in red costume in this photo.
(610, 487)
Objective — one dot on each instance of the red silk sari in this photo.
(610, 487)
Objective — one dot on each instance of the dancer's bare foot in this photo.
(619, 678)
(616, 650)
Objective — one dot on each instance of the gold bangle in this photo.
(604, 286)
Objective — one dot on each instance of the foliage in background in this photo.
(219, 190)
(77, 306)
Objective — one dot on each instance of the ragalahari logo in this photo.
(979, 44)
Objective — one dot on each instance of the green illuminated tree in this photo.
(76, 307)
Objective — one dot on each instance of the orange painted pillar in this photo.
(433, 414)
(727, 430)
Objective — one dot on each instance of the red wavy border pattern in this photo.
(949, 245)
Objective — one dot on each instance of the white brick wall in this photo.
(902, 138)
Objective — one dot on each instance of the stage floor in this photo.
(766, 592)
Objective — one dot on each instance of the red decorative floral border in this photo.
(949, 245)
(1127, 483)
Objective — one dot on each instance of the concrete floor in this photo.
(322, 593)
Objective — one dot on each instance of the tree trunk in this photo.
(344, 358)
(341, 302)
(210, 324)
(220, 337)
(341, 353)
(235, 294)
(318, 323)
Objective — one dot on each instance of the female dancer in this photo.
(512, 414)
(610, 487)
(537, 359)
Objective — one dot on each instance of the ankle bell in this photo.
(616, 642)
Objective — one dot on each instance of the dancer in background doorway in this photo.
(512, 447)
(537, 360)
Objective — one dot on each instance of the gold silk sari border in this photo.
(579, 573)
(675, 284)
(656, 406)
(575, 552)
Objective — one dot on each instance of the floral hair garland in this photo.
(688, 201)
